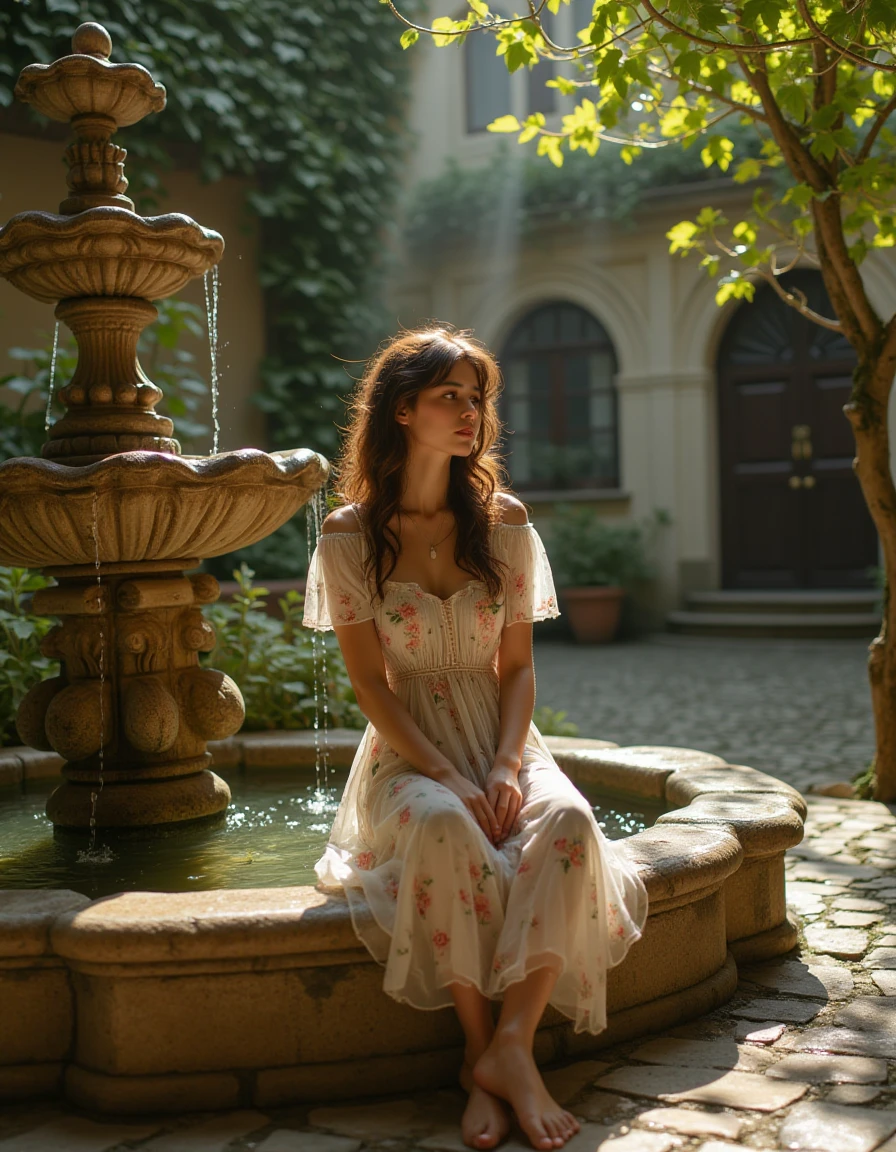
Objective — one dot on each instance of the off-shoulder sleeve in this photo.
(335, 590)
(529, 592)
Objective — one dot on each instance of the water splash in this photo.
(52, 376)
(211, 312)
(315, 511)
(92, 856)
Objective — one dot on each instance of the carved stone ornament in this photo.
(112, 510)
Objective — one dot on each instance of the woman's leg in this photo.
(485, 1122)
(507, 1068)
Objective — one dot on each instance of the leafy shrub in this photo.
(551, 723)
(586, 552)
(281, 556)
(273, 663)
(21, 662)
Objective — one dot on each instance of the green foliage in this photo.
(810, 90)
(23, 420)
(281, 556)
(173, 367)
(273, 663)
(164, 359)
(307, 99)
(587, 552)
(21, 662)
(551, 723)
(521, 193)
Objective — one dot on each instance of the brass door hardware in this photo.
(801, 443)
(801, 481)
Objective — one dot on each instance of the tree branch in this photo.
(840, 49)
(883, 115)
(758, 47)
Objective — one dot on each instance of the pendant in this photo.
(432, 551)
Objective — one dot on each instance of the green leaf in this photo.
(682, 236)
(409, 37)
(480, 8)
(718, 150)
(504, 124)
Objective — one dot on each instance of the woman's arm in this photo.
(516, 680)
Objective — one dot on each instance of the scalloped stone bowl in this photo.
(105, 251)
(149, 506)
(258, 998)
(78, 84)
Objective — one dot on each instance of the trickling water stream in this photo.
(315, 511)
(211, 312)
(91, 855)
(52, 376)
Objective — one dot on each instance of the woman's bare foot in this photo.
(506, 1069)
(485, 1121)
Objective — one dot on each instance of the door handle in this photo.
(801, 443)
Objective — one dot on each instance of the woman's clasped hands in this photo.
(496, 807)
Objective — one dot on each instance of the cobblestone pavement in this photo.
(803, 1057)
(797, 709)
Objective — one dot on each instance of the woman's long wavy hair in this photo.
(371, 465)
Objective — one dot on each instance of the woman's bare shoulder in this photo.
(341, 520)
(513, 511)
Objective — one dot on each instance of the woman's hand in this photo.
(474, 800)
(502, 789)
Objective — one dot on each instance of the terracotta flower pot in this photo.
(594, 612)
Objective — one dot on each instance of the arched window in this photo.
(487, 82)
(559, 401)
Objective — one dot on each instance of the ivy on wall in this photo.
(308, 99)
(516, 194)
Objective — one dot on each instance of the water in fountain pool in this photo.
(211, 312)
(270, 837)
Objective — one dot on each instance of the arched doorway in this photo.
(793, 516)
(559, 401)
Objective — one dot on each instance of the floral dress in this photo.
(431, 898)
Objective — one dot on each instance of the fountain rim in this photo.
(79, 64)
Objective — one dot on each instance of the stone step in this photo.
(803, 601)
(792, 625)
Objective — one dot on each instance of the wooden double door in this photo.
(793, 515)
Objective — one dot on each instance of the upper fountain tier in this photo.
(97, 245)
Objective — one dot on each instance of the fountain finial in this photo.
(92, 39)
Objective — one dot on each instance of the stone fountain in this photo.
(112, 510)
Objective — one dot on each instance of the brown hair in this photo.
(371, 465)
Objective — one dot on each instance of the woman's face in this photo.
(447, 417)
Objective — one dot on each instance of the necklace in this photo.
(432, 544)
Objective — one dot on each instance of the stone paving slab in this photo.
(210, 1136)
(743, 1090)
(822, 1068)
(827, 1127)
(790, 1011)
(77, 1134)
(286, 1140)
(693, 1123)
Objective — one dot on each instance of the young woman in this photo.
(483, 867)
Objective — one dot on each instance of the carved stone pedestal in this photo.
(132, 710)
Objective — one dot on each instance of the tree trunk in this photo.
(867, 412)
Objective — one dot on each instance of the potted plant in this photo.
(594, 564)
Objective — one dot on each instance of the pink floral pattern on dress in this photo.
(572, 852)
(422, 897)
(365, 861)
(405, 615)
(440, 941)
(487, 620)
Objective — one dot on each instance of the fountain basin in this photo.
(105, 251)
(154, 1001)
(136, 507)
